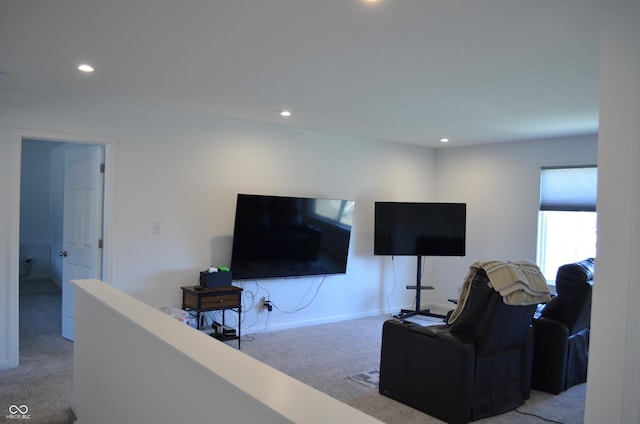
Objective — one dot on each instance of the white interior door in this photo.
(82, 232)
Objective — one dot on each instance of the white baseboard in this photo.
(316, 321)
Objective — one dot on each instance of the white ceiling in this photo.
(412, 71)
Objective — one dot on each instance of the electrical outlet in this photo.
(265, 304)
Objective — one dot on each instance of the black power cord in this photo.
(268, 303)
(538, 416)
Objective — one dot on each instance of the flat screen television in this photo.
(280, 237)
(420, 229)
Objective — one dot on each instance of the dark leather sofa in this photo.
(477, 367)
(561, 348)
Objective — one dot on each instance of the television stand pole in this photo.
(406, 313)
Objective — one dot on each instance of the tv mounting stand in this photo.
(406, 313)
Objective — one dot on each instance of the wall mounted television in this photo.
(420, 229)
(281, 237)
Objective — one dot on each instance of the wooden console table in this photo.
(203, 299)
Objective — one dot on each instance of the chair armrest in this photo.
(550, 335)
(549, 355)
(393, 351)
(431, 330)
(439, 373)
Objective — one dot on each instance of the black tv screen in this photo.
(420, 229)
(279, 237)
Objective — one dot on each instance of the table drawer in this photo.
(220, 301)
(208, 299)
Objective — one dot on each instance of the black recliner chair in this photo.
(477, 367)
(561, 347)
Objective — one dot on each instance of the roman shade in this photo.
(568, 189)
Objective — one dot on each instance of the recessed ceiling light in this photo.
(444, 140)
(285, 113)
(85, 68)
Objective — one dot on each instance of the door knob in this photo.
(63, 254)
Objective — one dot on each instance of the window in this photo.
(567, 217)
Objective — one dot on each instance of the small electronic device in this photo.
(215, 279)
(223, 329)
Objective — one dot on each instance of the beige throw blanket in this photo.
(519, 283)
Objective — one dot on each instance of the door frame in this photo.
(109, 144)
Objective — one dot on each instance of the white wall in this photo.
(143, 366)
(35, 212)
(9, 246)
(614, 352)
(500, 184)
(184, 170)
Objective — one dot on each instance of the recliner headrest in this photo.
(571, 277)
(572, 305)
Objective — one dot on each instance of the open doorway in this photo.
(56, 217)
